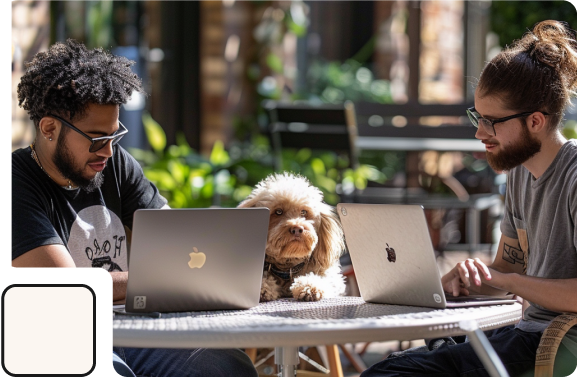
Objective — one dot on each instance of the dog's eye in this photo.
(303, 213)
(278, 211)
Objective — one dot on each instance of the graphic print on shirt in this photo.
(98, 239)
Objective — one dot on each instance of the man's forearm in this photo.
(119, 281)
(554, 294)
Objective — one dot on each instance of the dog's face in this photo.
(301, 225)
(293, 226)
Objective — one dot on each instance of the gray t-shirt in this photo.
(541, 213)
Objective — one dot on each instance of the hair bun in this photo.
(547, 53)
(550, 41)
(554, 44)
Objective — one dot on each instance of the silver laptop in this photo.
(393, 257)
(196, 259)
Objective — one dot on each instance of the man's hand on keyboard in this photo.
(466, 275)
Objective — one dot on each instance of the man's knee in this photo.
(398, 364)
(229, 362)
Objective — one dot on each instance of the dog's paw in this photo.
(267, 295)
(269, 290)
(307, 293)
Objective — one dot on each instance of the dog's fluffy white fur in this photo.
(302, 228)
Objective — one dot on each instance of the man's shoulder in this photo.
(568, 158)
(570, 147)
(18, 154)
(21, 161)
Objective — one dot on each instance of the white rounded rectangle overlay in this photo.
(49, 329)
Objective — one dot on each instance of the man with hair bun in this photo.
(75, 190)
(520, 101)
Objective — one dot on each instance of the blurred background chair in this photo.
(322, 127)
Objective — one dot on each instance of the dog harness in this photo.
(284, 275)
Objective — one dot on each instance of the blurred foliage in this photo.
(570, 129)
(389, 163)
(227, 176)
(189, 180)
(326, 81)
(99, 21)
(335, 82)
(88, 21)
(511, 19)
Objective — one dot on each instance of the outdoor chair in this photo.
(318, 127)
(549, 344)
(314, 126)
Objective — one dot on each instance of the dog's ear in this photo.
(331, 242)
(250, 201)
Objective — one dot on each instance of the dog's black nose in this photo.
(297, 230)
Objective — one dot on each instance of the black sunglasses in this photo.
(97, 142)
(489, 124)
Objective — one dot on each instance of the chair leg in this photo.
(334, 361)
(364, 349)
(353, 357)
(251, 352)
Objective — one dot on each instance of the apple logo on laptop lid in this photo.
(197, 259)
(391, 254)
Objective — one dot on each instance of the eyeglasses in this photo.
(97, 142)
(489, 124)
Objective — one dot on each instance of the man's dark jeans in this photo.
(515, 347)
(165, 362)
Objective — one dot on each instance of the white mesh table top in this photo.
(287, 322)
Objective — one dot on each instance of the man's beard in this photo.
(515, 154)
(64, 162)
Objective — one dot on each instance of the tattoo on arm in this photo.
(513, 255)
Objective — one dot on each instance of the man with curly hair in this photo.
(75, 190)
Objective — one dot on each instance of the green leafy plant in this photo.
(186, 178)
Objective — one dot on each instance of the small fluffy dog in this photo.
(305, 240)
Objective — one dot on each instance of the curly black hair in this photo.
(68, 77)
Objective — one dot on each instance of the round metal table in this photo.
(287, 324)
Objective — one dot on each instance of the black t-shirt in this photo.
(89, 225)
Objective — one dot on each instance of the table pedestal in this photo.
(287, 359)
